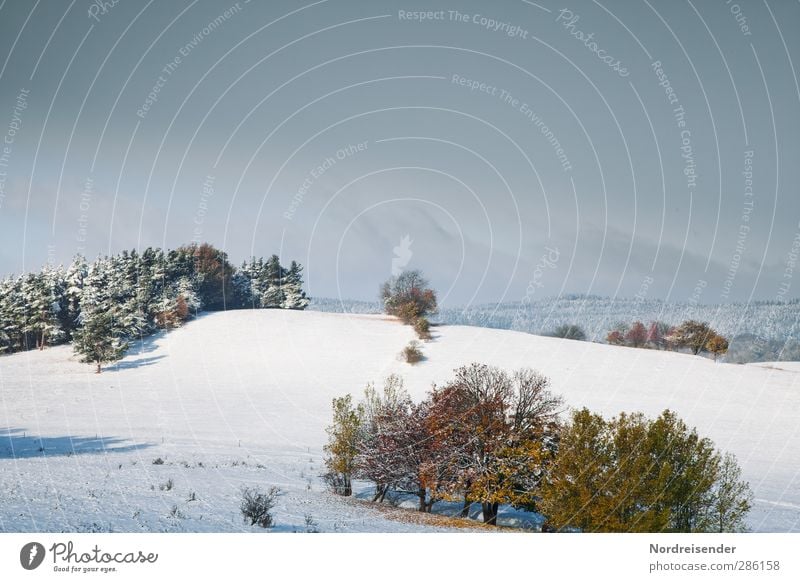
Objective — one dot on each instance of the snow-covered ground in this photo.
(242, 399)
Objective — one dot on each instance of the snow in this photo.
(242, 399)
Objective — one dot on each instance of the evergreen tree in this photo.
(73, 281)
(12, 314)
(99, 340)
(106, 324)
(272, 280)
(293, 295)
(41, 324)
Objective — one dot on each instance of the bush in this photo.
(256, 506)
(411, 353)
(570, 331)
(717, 345)
(423, 328)
(408, 313)
(311, 525)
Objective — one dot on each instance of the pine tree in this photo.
(12, 314)
(73, 280)
(294, 296)
(272, 280)
(99, 341)
(105, 324)
(40, 295)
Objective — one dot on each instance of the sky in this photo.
(510, 150)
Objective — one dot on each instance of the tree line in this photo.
(102, 306)
(494, 438)
(692, 335)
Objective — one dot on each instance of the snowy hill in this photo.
(242, 399)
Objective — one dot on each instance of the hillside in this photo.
(242, 398)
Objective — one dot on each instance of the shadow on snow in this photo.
(15, 443)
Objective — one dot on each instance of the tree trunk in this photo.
(465, 508)
(380, 493)
(347, 490)
(98, 368)
(421, 495)
(489, 512)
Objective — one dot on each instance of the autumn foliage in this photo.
(635, 474)
(484, 437)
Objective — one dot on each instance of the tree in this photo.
(693, 335)
(342, 447)
(637, 335)
(657, 333)
(73, 280)
(293, 295)
(99, 340)
(615, 338)
(213, 273)
(570, 331)
(272, 279)
(502, 428)
(731, 499)
(717, 345)
(381, 454)
(633, 474)
(106, 319)
(39, 314)
(408, 296)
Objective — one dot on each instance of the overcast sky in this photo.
(508, 149)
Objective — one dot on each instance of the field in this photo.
(166, 439)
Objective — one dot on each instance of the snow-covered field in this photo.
(242, 399)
